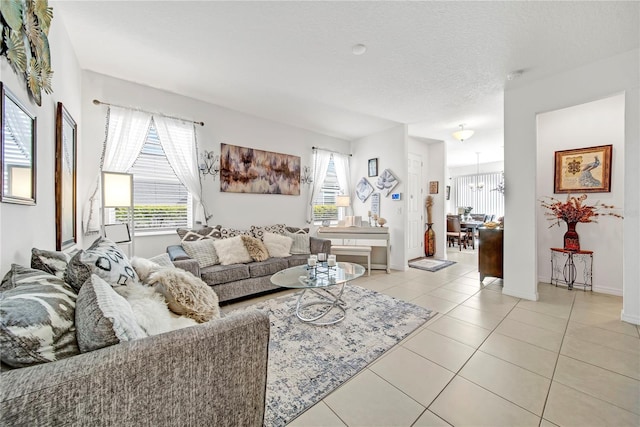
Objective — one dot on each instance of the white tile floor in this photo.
(493, 360)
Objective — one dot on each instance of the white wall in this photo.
(23, 227)
(390, 147)
(590, 82)
(595, 123)
(221, 125)
(472, 169)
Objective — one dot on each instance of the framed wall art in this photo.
(248, 170)
(363, 189)
(447, 192)
(373, 167)
(66, 149)
(387, 181)
(433, 187)
(583, 170)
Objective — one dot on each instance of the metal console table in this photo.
(566, 264)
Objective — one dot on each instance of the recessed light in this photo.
(359, 49)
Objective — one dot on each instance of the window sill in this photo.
(154, 233)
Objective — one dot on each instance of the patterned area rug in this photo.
(430, 264)
(307, 362)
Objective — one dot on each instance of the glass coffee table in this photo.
(326, 283)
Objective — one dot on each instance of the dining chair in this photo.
(455, 232)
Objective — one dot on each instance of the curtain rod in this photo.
(96, 102)
(331, 151)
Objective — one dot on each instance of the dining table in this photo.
(472, 227)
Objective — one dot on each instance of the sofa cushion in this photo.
(268, 267)
(186, 294)
(37, 318)
(53, 262)
(187, 235)
(217, 274)
(103, 317)
(232, 251)
(257, 250)
(277, 245)
(295, 260)
(103, 258)
(202, 251)
(300, 243)
(258, 231)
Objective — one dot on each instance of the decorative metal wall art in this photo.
(24, 26)
(247, 170)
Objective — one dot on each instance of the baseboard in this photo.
(633, 319)
(524, 295)
(606, 290)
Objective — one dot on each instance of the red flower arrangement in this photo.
(573, 210)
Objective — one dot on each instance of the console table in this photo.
(490, 251)
(374, 236)
(565, 264)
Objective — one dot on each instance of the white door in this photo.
(415, 232)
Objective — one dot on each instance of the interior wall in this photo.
(584, 84)
(391, 149)
(472, 169)
(595, 123)
(237, 210)
(24, 227)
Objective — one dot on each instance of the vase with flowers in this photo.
(572, 212)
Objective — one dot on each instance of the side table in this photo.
(566, 264)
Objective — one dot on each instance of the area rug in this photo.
(308, 362)
(430, 264)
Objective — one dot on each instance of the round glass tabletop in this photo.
(322, 277)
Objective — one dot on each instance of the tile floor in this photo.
(493, 360)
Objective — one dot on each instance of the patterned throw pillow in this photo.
(202, 251)
(103, 258)
(256, 248)
(53, 262)
(103, 317)
(227, 233)
(37, 318)
(187, 235)
(232, 251)
(297, 229)
(258, 232)
(300, 242)
(277, 245)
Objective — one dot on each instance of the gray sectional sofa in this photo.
(235, 281)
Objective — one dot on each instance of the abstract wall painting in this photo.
(248, 170)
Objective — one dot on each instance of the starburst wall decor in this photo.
(24, 28)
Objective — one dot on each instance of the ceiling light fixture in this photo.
(358, 49)
(463, 133)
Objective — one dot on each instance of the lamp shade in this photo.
(463, 134)
(343, 201)
(117, 189)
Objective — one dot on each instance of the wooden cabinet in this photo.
(490, 252)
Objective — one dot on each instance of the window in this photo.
(160, 200)
(483, 201)
(324, 205)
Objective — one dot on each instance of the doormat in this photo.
(430, 264)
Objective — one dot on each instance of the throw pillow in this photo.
(150, 310)
(186, 294)
(103, 317)
(187, 235)
(163, 260)
(297, 229)
(227, 233)
(144, 267)
(300, 242)
(258, 232)
(277, 245)
(103, 258)
(36, 318)
(202, 251)
(53, 262)
(232, 251)
(256, 248)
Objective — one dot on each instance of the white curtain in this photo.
(320, 166)
(126, 134)
(343, 173)
(178, 140)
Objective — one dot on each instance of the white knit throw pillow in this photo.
(277, 245)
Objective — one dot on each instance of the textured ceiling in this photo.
(432, 65)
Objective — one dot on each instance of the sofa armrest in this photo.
(318, 245)
(210, 374)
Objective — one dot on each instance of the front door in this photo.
(415, 230)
